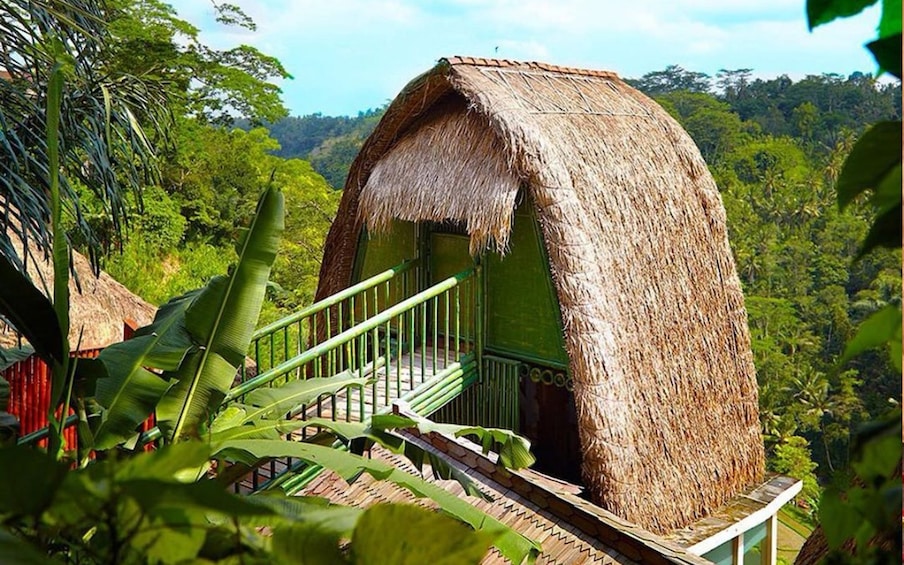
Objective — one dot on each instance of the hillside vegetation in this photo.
(775, 148)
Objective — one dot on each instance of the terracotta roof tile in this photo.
(528, 65)
(559, 544)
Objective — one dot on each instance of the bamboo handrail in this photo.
(333, 299)
(346, 336)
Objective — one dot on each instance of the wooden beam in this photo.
(737, 550)
(769, 545)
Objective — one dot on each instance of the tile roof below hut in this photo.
(561, 542)
(544, 509)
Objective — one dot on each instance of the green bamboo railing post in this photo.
(423, 324)
(257, 354)
(398, 372)
(339, 329)
(350, 363)
(362, 348)
(435, 324)
(411, 347)
(334, 357)
(386, 346)
(314, 340)
(286, 348)
(376, 300)
(298, 331)
(446, 329)
(354, 342)
(272, 352)
(327, 323)
(457, 322)
(478, 322)
(374, 353)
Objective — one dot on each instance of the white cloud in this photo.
(348, 55)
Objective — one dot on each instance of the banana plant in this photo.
(510, 543)
(184, 363)
(149, 508)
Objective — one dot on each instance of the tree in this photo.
(215, 86)
(859, 517)
(672, 78)
(102, 146)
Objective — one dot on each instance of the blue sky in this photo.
(350, 55)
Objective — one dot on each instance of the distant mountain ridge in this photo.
(330, 143)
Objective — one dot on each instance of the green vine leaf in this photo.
(824, 11)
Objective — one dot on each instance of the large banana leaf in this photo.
(30, 312)
(510, 543)
(262, 417)
(272, 402)
(130, 392)
(514, 450)
(425, 537)
(220, 320)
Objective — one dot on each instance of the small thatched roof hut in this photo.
(634, 229)
(99, 305)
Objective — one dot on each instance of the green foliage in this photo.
(792, 458)
(330, 143)
(672, 79)
(150, 509)
(28, 310)
(160, 224)
(211, 189)
(103, 129)
(374, 543)
(210, 84)
(870, 504)
(217, 327)
(713, 125)
(824, 11)
(882, 327)
(860, 521)
(348, 466)
(156, 274)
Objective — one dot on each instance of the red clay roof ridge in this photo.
(527, 65)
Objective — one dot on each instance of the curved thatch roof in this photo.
(634, 228)
(98, 306)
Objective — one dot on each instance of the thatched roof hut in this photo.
(99, 305)
(634, 229)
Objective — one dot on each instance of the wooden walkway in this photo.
(400, 377)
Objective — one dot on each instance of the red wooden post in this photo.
(30, 385)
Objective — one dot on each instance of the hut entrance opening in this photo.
(525, 383)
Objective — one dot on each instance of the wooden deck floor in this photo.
(401, 376)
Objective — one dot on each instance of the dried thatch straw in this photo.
(446, 168)
(634, 228)
(98, 307)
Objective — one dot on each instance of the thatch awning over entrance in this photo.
(447, 168)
